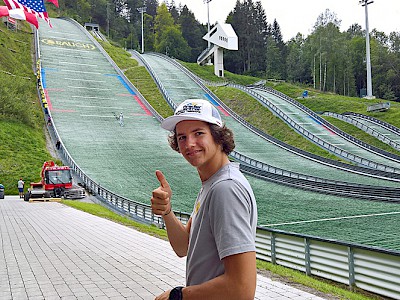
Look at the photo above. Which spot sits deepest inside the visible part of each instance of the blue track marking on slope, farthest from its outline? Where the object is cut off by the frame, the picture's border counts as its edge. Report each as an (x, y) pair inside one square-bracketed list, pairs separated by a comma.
[(123, 83), (315, 120), (51, 69), (211, 100), (43, 75), (319, 123), (126, 85), (224, 112)]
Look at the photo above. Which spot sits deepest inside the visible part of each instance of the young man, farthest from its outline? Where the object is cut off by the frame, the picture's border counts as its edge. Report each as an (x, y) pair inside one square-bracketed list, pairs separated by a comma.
[(219, 238), (21, 188)]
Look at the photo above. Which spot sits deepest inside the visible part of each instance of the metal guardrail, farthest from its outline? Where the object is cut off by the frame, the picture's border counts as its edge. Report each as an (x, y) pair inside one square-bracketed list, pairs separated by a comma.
[(343, 189), (333, 128), (322, 143), (365, 128), (160, 86), (371, 269), (96, 34), (384, 124)]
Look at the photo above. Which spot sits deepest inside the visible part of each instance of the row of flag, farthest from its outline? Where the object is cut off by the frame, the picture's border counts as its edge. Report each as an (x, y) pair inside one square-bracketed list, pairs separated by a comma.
[(28, 10)]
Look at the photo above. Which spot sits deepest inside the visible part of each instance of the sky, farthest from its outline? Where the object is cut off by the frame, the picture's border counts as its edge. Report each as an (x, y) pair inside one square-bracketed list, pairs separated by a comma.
[(295, 16)]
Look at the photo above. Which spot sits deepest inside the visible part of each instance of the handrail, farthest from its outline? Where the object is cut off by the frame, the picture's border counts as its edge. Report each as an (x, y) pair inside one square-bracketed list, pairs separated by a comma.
[(322, 143), (365, 128), (153, 74), (384, 124), (333, 128), (205, 54)]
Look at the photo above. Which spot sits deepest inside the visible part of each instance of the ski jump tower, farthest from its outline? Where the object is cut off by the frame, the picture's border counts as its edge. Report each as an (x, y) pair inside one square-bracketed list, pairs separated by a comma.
[(221, 36)]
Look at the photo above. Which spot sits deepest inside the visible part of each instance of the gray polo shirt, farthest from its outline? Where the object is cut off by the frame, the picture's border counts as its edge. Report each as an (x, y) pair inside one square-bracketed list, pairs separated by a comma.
[(224, 223)]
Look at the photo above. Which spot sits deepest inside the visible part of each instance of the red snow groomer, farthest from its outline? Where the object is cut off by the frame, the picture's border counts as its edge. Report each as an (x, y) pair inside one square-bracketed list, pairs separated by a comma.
[(56, 182)]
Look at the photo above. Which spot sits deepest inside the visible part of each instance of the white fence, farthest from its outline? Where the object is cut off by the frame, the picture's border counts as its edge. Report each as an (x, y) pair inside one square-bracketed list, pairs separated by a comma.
[(370, 269)]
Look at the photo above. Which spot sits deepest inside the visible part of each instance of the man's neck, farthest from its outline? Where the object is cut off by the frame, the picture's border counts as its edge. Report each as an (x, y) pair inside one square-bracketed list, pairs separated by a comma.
[(211, 170)]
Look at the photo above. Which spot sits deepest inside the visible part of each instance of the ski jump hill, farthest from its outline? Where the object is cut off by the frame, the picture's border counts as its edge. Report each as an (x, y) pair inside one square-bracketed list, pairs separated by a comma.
[(85, 92)]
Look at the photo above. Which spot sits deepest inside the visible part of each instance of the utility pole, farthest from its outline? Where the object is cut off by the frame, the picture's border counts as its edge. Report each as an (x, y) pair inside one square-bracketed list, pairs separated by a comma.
[(365, 3), (142, 10)]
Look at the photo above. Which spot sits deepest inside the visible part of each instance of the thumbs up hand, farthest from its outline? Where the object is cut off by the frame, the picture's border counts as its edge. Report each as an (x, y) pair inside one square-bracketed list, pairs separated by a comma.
[(161, 200)]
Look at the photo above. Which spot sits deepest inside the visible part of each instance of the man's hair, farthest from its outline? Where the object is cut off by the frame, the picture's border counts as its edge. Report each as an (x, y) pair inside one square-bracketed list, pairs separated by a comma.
[(222, 136)]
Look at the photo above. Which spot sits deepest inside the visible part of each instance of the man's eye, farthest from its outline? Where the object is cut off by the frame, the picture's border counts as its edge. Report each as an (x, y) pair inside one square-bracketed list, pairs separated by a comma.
[(199, 133), (181, 138)]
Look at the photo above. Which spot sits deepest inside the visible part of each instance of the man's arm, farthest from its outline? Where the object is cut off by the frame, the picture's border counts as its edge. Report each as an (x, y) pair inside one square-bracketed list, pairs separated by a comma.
[(178, 233), (238, 282)]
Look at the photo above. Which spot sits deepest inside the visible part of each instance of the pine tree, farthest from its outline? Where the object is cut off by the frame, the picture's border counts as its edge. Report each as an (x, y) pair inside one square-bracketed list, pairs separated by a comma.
[(192, 32)]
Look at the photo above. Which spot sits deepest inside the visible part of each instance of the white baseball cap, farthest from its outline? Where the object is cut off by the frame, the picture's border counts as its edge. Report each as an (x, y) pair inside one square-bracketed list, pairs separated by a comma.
[(193, 109)]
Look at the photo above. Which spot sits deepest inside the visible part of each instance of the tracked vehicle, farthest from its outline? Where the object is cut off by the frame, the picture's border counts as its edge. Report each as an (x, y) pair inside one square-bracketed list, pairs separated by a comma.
[(56, 182)]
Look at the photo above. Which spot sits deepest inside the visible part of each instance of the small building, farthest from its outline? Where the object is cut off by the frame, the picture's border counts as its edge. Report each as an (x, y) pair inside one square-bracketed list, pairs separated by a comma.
[(221, 36)]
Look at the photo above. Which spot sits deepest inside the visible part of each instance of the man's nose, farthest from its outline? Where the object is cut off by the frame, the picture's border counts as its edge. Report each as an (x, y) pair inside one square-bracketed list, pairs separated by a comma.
[(190, 141)]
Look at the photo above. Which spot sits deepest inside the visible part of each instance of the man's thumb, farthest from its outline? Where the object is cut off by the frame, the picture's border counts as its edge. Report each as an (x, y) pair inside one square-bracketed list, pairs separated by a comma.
[(161, 178)]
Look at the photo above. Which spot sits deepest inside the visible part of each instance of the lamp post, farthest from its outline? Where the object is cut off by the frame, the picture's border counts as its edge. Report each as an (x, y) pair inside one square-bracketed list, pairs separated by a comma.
[(208, 28), (208, 18), (142, 10), (365, 3)]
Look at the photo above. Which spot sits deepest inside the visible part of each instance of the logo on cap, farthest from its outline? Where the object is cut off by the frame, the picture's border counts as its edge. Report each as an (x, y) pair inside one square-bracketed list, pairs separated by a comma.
[(189, 108)]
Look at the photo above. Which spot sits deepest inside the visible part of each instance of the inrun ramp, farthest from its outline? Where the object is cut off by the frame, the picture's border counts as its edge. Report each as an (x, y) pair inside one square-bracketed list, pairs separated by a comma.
[(85, 91)]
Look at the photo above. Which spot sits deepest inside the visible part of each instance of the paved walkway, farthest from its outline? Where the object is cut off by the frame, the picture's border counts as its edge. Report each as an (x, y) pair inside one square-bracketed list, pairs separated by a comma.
[(51, 251)]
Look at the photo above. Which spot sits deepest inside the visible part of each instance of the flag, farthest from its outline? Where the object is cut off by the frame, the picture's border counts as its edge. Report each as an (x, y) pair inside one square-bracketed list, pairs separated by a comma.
[(55, 2), (31, 6), (19, 14)]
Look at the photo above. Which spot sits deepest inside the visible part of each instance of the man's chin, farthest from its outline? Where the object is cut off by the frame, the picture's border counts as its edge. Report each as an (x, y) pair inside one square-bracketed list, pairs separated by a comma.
[(194, 162)]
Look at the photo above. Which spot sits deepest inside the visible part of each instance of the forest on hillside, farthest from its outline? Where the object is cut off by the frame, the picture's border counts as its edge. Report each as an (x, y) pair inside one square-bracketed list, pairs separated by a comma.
[(327, 59)]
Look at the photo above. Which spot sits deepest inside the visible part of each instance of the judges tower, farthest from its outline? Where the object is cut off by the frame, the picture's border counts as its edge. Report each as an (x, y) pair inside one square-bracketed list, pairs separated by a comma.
[(221, 36)]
